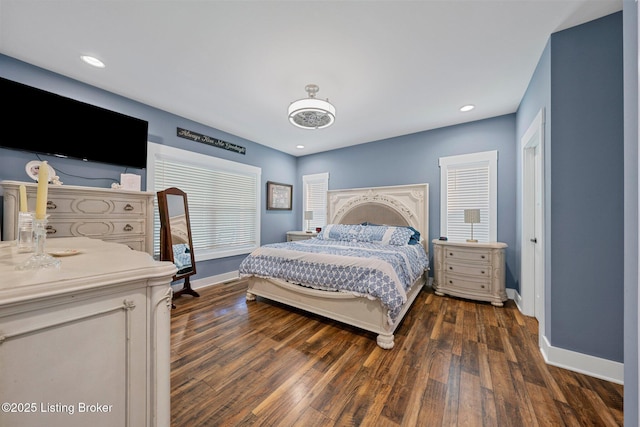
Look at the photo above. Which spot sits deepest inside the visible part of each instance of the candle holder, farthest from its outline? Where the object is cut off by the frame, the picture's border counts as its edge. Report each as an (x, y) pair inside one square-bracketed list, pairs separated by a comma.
[(25, 241), (40, 259)]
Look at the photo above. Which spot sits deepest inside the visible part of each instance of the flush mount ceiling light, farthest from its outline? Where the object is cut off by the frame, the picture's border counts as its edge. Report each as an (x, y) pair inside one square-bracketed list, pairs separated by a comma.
[(468, 107), (311, 112)]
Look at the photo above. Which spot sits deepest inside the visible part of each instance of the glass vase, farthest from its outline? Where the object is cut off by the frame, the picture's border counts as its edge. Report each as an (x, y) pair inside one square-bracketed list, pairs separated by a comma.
[(39, 259), (25, 241)]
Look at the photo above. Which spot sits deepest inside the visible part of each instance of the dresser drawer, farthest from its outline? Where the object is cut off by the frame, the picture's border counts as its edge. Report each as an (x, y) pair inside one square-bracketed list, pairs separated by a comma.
[(97, 229), (452, 253), (64, 204), (137, 244)]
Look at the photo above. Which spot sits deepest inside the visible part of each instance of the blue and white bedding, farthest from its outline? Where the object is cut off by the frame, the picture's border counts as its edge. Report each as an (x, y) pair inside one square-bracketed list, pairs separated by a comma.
[(349, 262)]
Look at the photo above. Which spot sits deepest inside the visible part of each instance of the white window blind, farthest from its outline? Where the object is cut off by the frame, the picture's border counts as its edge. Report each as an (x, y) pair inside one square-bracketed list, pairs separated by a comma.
[(315, 189), (223, 198), (469, 182)]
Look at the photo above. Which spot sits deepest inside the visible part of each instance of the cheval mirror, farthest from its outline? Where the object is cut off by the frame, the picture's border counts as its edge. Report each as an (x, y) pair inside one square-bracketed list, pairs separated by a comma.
[(175, 236)]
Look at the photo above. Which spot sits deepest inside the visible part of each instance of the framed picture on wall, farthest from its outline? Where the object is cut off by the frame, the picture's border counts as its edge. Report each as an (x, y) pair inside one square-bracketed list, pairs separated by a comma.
[(279, 196)]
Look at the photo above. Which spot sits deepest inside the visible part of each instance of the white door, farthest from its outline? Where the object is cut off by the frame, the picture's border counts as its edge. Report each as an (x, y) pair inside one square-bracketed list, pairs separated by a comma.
[(532, 251)]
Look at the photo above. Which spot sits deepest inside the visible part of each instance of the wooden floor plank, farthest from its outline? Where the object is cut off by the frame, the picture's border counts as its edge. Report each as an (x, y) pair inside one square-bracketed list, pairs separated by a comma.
[(455, 363)]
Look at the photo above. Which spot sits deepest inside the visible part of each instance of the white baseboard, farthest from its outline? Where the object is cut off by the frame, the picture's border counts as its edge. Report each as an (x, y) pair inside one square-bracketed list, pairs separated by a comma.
[(577, 362), (582, 363), (209, 281)]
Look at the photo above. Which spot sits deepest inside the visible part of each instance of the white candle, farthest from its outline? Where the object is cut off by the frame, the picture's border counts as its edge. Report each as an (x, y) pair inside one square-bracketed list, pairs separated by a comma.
[(43, 188), (23, 198)]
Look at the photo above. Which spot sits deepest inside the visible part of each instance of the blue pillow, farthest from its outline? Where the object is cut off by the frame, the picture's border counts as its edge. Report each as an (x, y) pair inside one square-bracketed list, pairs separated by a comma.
[(387, 235), (413, 240)]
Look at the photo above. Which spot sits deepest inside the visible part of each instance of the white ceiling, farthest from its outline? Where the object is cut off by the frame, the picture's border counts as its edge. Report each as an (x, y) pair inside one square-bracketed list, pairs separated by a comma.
[(389, 67)]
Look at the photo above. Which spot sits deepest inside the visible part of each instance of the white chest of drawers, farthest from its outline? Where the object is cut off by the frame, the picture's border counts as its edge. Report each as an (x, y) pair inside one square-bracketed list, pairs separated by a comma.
[(87, 344), (103, 213), (470, 270)]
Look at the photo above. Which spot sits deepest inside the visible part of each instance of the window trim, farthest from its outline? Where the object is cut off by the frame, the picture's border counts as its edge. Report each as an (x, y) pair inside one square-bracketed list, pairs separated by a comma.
[(489, 158), (165, 152)]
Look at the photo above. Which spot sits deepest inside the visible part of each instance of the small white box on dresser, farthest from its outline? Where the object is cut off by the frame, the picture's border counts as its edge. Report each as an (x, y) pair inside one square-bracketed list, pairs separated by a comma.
[(470, 270)]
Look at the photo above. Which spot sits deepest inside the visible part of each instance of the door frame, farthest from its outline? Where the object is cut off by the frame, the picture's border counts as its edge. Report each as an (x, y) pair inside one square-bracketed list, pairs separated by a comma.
[(532, 177)]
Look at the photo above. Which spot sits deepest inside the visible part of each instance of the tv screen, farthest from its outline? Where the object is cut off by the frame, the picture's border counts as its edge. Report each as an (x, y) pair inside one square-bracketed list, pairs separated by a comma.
[(43, 122)]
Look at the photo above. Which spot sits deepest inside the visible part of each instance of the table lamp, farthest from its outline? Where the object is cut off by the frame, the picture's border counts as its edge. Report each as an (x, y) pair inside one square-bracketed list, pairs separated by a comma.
[(472, 216), (308, 216)]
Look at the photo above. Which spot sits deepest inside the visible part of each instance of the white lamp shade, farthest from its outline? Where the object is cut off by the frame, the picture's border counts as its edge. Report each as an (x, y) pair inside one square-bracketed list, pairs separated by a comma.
[(308, 215), (472, 216)]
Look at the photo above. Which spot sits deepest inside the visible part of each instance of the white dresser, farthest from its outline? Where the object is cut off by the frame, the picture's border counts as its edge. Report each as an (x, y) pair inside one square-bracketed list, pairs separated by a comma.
[(103, 213), (87, 344), (470, 270)]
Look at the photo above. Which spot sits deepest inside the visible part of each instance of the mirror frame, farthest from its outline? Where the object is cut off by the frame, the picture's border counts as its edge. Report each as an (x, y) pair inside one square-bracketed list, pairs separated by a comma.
[(166, 244)]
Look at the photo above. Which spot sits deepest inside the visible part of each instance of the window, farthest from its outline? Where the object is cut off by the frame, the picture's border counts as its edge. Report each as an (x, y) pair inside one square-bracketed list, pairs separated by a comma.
[(223, 197), (314, 196), (469, 181)]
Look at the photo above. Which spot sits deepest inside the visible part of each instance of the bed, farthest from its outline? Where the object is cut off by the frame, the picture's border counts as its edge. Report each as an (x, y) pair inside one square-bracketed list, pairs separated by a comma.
[(379, 219)]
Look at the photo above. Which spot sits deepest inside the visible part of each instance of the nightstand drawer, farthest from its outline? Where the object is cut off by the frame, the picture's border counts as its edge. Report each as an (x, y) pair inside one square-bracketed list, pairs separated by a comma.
[(466, 283), (466, 255), (468, 269)]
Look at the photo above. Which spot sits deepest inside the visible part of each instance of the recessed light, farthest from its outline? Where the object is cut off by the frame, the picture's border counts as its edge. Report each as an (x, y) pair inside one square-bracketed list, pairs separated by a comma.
[(300, 146), (93, 61), (468, 107)]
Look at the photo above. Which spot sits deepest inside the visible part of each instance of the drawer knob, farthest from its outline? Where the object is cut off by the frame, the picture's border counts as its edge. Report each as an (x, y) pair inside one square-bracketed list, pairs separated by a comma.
[(451, 281), (51, 230), (128, 207), (51, 205), (450, 253), (482, 256), (482, 286), (450, 268), (128, 227), (482, 272)]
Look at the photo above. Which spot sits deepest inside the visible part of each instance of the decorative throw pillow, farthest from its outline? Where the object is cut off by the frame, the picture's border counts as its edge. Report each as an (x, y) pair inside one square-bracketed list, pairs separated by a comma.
[(414, 238), (345, 232)]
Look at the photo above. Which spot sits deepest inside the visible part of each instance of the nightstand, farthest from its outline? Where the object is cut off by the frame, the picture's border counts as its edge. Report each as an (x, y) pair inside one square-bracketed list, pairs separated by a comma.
[(292, 236), (470, 270)]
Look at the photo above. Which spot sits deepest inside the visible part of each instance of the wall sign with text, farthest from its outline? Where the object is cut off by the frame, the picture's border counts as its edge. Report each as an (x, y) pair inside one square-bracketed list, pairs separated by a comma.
[(198, 137)]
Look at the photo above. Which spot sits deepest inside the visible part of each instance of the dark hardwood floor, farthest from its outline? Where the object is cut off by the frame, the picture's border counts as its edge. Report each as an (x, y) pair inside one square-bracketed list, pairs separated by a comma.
[(455, 363)]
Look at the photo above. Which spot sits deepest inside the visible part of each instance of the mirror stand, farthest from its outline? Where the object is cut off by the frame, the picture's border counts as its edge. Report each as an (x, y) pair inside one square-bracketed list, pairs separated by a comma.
[(176, 244), (186, 289), (165, 255)]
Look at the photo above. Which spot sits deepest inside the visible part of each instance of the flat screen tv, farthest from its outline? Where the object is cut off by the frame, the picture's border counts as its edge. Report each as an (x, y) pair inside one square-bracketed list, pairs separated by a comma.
[(43, 122)]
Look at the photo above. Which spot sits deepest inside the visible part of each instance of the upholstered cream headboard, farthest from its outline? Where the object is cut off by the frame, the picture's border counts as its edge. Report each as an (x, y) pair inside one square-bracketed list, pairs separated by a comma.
[(393, 205)]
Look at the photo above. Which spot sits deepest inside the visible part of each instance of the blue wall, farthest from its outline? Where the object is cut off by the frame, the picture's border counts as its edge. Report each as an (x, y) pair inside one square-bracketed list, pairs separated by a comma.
[(587, 194), (276, 166), (578, 82), (414, 158)]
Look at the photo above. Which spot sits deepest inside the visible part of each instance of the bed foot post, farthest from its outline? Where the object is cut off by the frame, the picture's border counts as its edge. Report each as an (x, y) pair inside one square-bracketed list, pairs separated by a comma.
[(385, 341), (250, 296)]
